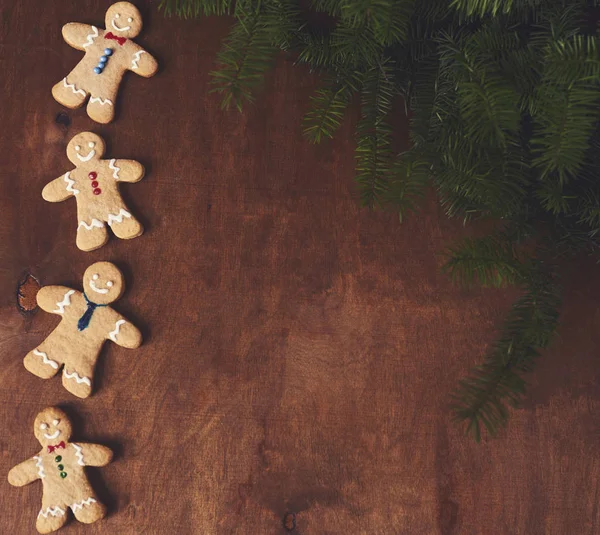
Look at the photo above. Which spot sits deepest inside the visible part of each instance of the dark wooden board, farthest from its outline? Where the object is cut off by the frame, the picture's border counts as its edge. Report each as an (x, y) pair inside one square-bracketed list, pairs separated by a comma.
[(299, 351)]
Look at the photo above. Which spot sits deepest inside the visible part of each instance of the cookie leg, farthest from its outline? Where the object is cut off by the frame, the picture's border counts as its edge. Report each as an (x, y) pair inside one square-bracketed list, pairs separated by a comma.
[(125, 226), (68, 94), (78, 380), (101, 110), (88, 510), (91, 236), (51, 518), (42, 362)]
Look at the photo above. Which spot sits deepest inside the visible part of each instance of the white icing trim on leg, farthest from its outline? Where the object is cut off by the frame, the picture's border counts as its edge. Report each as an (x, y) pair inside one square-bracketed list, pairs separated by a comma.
[(102, 101), (60, 306), (78, 378), (90, 37), (118, 218), (40, 466), (114, 168), (136, 58), (54, 511), (80, 505), (73, 88), (113, 334), (45, 359), (78, 454), (70, 183), (94, 223)]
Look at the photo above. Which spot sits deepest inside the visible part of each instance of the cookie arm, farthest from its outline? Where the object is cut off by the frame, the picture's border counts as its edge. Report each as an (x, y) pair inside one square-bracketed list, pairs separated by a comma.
[(127, 170), (24, 473), (125, 334), (143, 63), (59, 189), (93, 454), (54, 299), (79, 35)]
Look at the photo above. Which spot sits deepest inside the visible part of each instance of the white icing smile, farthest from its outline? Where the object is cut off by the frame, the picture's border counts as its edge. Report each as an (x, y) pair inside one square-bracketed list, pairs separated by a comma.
[(87, 158), (124, 29), (52, 436), (96, 289)]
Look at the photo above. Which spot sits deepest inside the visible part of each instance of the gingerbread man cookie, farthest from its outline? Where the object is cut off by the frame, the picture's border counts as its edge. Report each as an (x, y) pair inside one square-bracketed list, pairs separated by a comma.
[(108, 54), (60, 465), (87, 321), (94, 184)]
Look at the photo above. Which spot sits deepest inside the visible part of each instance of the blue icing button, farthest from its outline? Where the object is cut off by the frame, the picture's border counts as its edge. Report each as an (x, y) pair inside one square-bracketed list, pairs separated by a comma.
[(103, 59), (108, 51), (98, 70)]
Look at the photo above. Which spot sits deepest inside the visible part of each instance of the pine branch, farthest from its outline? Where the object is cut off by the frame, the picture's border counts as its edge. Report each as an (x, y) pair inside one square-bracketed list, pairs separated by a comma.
[(482, 398), (409, 178), (247, 53), (374, 144)]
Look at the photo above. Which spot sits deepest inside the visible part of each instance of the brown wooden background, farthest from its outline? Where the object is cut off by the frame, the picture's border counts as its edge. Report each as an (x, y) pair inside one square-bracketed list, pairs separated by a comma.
[(299, 352)]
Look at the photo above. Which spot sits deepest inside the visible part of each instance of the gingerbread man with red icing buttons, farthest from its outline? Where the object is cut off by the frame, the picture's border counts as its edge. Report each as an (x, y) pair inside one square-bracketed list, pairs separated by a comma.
[(94, 184), (60, 465), (108, 55), (87, 322)]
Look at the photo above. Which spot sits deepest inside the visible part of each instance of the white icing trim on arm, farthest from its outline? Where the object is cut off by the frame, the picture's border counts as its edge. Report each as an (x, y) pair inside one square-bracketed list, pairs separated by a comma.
[(113, 334), (78, 454), (102, 101), (114, 168), (70, 183), (80, 505), (40, 466), (77, 377), (64, 303), (91, 37), (45, 359), (136, 59), (118, 218), (73, 88)]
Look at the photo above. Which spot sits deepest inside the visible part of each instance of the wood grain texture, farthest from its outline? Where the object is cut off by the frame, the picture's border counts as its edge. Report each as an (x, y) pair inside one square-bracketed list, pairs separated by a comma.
[(299, 351)]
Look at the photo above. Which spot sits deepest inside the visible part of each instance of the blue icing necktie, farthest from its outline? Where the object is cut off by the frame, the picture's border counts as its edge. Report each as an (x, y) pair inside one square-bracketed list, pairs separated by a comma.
[(84, 321)]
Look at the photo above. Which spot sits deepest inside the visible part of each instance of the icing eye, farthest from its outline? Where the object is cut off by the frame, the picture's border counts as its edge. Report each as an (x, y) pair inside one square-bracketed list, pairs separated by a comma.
[(77, 148), (55, 422), (91, 144), (95, 276), (43, 427), (117, 15), (109, 284), (129, 19)]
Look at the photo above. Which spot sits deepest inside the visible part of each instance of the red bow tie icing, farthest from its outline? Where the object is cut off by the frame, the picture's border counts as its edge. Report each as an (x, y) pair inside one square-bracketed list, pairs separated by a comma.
[(120, 40), (60, 445)]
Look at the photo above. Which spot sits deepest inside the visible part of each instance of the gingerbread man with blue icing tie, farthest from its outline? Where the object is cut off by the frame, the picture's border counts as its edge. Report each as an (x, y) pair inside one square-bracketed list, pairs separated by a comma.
[(94, 184), (108, 55), (87, 322), (60, 465)]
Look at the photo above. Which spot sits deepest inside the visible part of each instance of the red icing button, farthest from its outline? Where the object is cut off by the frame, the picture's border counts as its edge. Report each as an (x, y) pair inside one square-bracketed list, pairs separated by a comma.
[(94, 184), (93, 175), (97, 191)]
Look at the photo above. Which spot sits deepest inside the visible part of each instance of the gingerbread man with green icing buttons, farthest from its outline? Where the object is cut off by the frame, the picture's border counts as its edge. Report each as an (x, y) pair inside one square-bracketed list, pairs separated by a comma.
[(108, 55), (94, 183), (87, 322), (60, 465)]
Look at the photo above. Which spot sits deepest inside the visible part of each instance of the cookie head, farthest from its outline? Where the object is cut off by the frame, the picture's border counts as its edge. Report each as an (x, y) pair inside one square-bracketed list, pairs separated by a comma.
[(85, 147), (103, 283), (52, 426), (124, 20)]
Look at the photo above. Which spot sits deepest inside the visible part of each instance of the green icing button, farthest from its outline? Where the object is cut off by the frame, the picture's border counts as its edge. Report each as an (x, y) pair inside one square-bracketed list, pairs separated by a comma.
[(58, 458), (61, 467), (63, 474)]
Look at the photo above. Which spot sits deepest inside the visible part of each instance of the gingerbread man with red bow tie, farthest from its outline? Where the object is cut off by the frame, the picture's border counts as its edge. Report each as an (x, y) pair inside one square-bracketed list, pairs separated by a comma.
[(60, 465), (108, 55)]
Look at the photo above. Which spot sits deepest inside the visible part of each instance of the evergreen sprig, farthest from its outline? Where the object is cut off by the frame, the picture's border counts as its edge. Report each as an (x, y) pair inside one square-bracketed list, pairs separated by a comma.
[(502, 98)]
